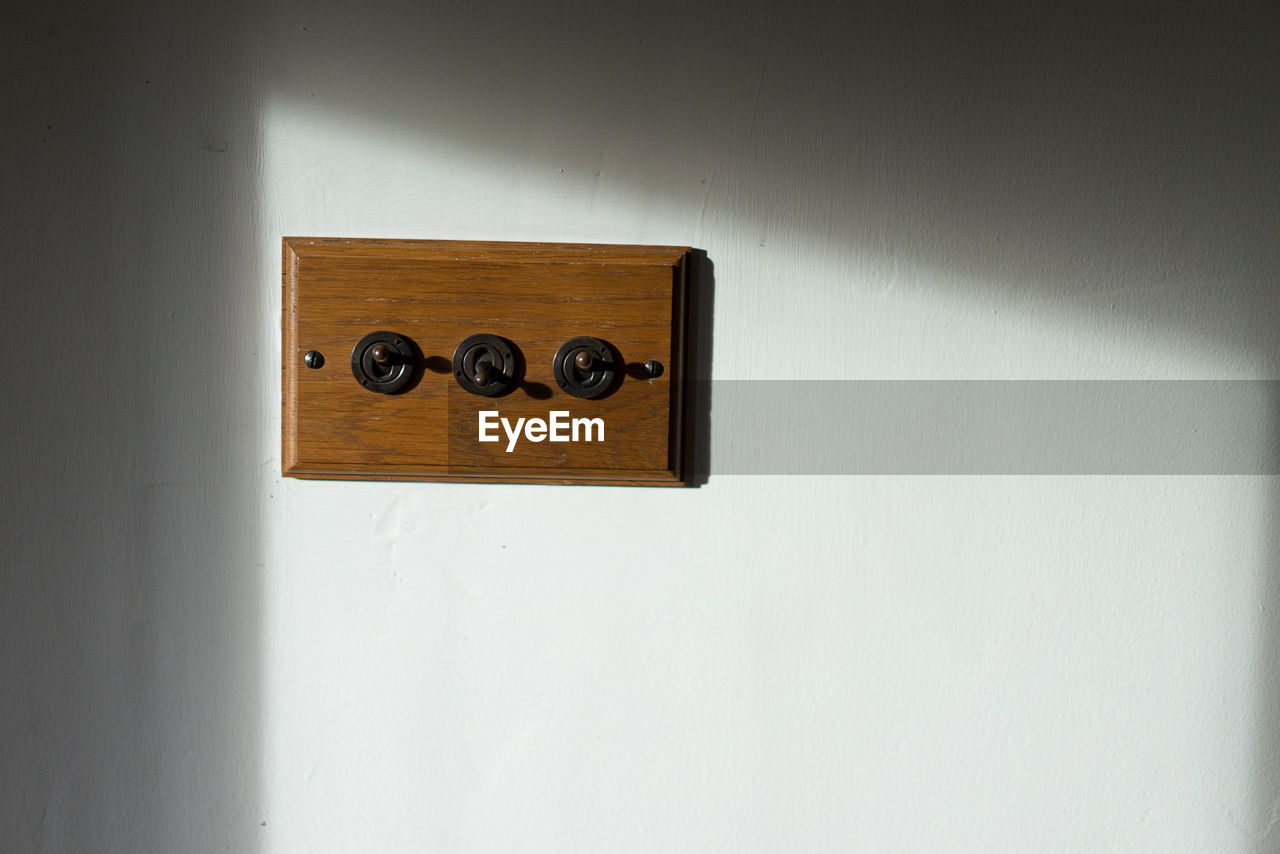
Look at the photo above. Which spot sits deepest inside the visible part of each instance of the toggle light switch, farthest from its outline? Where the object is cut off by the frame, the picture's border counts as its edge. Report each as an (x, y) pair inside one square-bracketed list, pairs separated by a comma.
[(383, 362), (586, 367), (485, 365)]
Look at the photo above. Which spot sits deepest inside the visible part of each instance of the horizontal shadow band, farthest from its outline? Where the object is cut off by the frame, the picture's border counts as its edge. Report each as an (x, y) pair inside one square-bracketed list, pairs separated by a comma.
[(1160, 427)]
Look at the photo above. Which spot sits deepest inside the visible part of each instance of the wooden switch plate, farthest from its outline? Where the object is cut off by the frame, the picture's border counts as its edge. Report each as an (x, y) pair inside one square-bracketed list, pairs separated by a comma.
[(435, 294)]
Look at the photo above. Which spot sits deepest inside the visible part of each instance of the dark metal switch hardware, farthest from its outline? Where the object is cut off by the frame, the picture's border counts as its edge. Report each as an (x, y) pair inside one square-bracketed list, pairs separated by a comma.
[(485, 364), (383, 362), (586, 367)]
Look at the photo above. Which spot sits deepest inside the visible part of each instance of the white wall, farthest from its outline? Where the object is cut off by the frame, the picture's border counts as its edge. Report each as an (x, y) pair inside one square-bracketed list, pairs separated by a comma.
[(200, 656)]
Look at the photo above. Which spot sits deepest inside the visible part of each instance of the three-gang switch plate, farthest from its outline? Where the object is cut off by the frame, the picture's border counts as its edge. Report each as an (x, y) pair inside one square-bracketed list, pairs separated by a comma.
[(547, 301)]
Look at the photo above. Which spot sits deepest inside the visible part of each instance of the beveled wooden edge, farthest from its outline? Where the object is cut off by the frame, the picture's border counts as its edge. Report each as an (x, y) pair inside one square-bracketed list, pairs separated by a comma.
[(288, 361), (492, 481), (475, 250), (463, 474), (453, 476), (676, 451), (679, 258)]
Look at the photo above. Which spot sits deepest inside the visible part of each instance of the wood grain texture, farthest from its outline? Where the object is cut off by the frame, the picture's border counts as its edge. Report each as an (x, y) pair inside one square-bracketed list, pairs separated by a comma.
[(436, 293)]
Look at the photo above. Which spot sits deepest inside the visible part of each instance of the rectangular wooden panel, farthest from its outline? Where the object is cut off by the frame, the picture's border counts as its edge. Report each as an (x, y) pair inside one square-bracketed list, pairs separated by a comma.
[(433, 294)]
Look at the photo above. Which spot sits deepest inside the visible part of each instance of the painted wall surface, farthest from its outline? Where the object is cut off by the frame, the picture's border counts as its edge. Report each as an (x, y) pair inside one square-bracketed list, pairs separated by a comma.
[(196, 655)]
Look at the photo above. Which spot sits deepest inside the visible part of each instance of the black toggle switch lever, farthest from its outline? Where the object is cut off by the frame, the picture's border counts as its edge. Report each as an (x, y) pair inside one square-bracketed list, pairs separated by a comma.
[(383, 362), (485, 364), (586, 367)]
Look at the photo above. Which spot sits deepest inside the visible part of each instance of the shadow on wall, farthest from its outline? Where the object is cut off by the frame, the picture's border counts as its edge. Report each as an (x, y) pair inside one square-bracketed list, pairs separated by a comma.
[(129, 596), (1116, 159), (1064, 157)]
